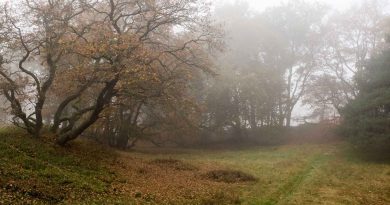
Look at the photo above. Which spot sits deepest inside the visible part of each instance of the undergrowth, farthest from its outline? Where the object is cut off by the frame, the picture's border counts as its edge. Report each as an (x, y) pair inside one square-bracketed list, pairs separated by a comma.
[(37, 171)]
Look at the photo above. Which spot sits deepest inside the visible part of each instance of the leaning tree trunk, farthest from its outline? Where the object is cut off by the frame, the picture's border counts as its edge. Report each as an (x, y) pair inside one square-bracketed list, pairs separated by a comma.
[(103, 99)]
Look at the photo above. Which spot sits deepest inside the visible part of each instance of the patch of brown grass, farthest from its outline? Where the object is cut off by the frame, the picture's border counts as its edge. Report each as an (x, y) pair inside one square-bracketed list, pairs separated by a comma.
[(221, 198), (173, 164), (168, 181), (229, 176)]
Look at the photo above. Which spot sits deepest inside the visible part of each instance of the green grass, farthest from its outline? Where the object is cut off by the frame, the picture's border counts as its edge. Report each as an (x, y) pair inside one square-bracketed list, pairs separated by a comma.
[(298, 174), (37, 172)]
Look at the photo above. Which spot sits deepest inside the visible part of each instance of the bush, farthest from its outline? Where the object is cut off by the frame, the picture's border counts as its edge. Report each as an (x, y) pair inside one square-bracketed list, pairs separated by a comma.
[(269, 136)]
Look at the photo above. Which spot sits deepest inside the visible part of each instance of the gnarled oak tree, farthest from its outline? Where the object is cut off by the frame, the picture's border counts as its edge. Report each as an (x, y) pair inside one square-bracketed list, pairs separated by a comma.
[(65, 61)]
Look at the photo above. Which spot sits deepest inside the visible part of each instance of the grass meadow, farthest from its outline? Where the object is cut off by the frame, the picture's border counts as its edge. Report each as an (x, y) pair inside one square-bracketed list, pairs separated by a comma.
[(36, 172)]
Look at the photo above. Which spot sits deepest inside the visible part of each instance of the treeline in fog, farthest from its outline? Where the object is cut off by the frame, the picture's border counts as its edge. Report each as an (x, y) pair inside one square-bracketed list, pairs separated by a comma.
[(184, 72)]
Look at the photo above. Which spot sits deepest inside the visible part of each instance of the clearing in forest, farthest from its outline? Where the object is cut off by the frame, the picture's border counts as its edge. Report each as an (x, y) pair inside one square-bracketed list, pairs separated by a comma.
[(33, 171)]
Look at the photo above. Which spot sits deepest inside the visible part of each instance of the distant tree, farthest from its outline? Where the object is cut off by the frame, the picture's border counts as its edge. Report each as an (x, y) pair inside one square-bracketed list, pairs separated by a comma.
[(367, 117), (350, 39), (323, 96), (266, 67), (292, 47)]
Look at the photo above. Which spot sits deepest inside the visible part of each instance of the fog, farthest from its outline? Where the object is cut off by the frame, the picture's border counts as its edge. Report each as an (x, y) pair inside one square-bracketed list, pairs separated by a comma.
[(204, 70), (244, 34), (261, 5), (194, 102)]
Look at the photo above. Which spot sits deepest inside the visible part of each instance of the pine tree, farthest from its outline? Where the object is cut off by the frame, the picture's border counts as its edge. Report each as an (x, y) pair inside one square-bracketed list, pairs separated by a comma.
[(367, 118)]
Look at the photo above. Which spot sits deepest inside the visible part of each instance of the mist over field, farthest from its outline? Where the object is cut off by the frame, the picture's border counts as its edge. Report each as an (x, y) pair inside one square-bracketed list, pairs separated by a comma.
[(194, 102)]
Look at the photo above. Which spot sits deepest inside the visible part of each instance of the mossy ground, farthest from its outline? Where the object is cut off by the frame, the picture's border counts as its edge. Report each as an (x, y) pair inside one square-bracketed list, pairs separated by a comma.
[(35, 171)]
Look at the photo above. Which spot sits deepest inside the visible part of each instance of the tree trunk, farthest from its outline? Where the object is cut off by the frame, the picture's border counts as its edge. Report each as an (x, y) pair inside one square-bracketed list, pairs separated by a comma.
[(104, 99), (288, 119)]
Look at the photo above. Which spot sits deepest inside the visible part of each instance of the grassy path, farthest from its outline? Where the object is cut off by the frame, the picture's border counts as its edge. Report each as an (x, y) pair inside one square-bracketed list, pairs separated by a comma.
[(284, 193)]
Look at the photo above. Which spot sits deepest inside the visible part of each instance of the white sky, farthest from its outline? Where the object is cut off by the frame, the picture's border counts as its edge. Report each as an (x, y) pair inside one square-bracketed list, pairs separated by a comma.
[(260, 5)]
